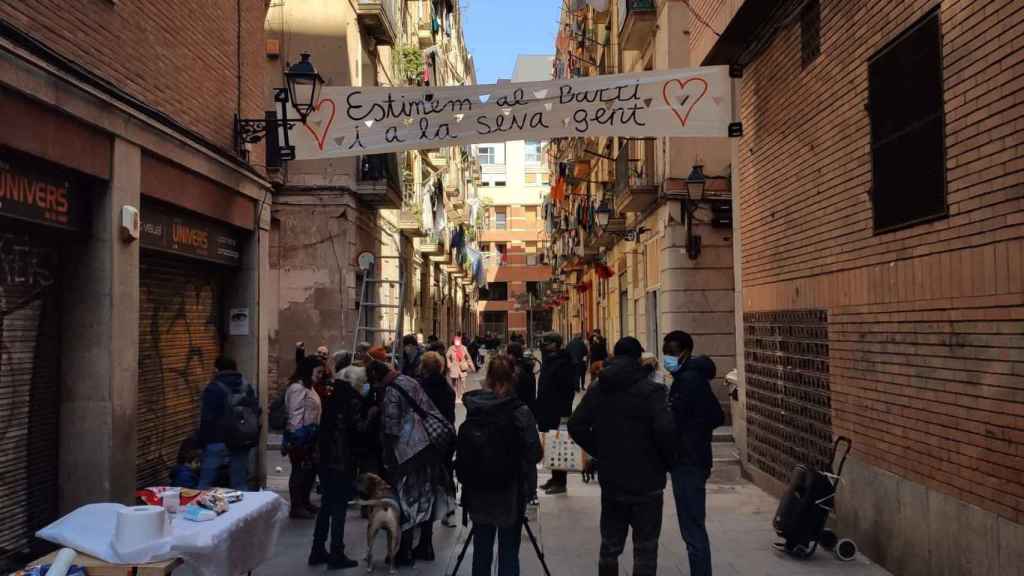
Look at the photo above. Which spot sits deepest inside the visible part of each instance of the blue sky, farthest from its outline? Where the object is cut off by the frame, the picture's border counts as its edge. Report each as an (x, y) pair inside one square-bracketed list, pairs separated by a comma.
[(499, 30)]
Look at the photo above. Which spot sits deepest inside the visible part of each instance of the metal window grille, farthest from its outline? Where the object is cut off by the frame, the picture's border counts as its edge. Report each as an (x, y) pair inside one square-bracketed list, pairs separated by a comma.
[(789, 400)]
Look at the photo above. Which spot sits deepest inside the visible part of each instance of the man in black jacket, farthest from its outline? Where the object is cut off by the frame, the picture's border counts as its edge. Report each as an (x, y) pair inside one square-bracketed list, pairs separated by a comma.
[(577, 349), (697, 413), (339, 425), (625, 423), (556, 391)]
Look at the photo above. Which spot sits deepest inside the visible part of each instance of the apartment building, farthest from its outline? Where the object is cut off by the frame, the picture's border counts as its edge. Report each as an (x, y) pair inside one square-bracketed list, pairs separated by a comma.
[(133, 242), (636, 252), (514, 180), (879, 235), (326, 213)]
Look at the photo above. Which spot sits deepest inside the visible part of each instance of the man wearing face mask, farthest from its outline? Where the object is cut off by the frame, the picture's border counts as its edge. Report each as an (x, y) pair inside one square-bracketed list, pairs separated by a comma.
[(697, 413)]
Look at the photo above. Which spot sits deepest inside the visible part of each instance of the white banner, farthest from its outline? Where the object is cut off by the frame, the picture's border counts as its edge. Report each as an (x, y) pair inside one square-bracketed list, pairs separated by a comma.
[(351, 121)]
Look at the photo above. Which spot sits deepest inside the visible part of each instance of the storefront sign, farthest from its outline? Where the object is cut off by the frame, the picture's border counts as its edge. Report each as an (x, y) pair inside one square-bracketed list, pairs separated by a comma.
[(164, 228), (39, 192), (351, 121)]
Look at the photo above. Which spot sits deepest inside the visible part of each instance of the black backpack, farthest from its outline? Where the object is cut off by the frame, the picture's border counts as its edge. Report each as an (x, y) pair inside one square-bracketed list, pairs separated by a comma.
[(278, 416), (489, 449), (241, 420)]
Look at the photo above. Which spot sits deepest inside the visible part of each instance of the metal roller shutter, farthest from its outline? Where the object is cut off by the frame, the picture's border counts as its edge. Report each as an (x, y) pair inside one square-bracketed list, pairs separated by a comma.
[(29, 387), (179, 340)]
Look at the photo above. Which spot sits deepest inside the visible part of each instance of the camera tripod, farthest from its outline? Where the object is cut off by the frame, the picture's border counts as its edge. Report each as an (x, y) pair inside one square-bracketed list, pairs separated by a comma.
[(529, 532)]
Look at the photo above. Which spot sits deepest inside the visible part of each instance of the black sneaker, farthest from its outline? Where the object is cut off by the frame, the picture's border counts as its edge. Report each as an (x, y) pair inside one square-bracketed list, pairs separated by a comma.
[(318, 556), (556, 489), (425, 553), (341, 562)]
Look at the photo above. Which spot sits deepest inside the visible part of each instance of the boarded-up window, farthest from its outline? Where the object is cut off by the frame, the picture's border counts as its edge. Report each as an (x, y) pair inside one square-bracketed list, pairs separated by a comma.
[(653, 258), (810, 32), (908, 128)]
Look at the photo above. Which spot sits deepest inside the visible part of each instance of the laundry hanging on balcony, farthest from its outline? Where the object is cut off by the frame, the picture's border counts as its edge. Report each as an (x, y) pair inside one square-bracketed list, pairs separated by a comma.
[(426, 205), (357, 120)]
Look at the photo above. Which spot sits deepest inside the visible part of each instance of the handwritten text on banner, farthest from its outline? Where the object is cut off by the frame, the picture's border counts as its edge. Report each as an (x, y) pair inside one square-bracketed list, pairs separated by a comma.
[(350, 121)]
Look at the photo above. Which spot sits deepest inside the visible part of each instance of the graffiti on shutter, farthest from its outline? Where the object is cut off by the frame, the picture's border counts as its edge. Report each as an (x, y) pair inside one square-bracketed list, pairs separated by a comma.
[(29, 389), (178, 342)]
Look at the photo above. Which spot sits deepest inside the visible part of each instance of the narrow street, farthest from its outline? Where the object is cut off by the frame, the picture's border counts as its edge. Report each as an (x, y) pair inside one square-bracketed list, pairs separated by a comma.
[(739, 523), (805, 215)]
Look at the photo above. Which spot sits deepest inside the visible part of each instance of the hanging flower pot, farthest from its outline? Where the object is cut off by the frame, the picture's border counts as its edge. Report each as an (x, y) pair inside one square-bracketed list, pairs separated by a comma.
[(604, 271), (584, 286)]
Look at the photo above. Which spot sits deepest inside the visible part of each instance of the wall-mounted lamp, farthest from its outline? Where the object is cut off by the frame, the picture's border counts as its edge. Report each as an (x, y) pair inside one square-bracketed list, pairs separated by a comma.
[(302, 91), (696, 182)]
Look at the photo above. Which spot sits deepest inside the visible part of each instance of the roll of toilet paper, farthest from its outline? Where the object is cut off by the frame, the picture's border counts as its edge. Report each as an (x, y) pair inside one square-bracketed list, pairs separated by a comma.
[(139, 527), (62, 562)]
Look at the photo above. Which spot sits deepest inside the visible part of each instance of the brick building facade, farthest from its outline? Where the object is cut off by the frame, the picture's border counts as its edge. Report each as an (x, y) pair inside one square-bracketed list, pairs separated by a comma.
[(884, 263), (115, 114)]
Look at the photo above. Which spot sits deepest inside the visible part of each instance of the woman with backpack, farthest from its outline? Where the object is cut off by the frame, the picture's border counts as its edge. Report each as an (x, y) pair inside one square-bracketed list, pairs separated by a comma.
[(304, 407), (498, 451)]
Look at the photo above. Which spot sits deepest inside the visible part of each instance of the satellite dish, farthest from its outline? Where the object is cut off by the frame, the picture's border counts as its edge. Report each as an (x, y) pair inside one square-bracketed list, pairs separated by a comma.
[(366, 260)]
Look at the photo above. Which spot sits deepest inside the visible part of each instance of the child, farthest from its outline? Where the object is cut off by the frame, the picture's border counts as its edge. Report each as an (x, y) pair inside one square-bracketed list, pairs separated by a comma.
[(186, 473)]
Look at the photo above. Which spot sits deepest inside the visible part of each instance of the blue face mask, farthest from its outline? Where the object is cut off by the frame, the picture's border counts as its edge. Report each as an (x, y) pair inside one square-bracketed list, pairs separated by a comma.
[(671, 363)]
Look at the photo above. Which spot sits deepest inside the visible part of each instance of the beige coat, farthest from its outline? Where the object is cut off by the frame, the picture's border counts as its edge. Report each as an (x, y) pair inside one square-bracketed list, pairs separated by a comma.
[(458, 370)]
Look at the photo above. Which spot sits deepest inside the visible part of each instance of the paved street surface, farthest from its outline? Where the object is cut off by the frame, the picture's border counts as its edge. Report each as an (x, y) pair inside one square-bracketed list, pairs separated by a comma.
[(739, 522)]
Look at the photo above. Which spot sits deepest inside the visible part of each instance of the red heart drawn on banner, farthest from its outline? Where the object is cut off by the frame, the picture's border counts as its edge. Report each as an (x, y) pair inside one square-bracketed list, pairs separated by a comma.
[(687, 100), (320, 138)]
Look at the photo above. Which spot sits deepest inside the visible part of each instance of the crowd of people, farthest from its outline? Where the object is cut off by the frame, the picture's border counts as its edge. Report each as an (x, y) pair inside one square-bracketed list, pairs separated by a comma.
[(351, 415)]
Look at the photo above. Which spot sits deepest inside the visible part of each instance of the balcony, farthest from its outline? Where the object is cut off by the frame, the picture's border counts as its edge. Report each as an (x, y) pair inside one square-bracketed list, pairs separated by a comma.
[(425, 33), (380, 19), (432, 245), (638, 18), (641, 186), (410, 223), (377, 183)]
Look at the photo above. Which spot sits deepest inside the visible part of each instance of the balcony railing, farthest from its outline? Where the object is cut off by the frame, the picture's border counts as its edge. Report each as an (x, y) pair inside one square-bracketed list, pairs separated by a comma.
[(380, 19), (641, 184), (637, 18), (641, 164), (378, 181)]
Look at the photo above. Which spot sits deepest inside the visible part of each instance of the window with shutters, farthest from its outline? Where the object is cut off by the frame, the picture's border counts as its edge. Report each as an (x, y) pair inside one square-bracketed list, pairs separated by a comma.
[(908, 151), (810, 32)]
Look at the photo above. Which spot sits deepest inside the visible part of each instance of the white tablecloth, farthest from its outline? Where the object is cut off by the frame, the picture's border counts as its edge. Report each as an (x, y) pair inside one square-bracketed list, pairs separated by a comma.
[(234, 543), (237, 541)]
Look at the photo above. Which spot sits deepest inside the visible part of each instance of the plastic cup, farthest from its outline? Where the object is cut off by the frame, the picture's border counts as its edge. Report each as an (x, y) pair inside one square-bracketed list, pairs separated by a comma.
[(172, 500)]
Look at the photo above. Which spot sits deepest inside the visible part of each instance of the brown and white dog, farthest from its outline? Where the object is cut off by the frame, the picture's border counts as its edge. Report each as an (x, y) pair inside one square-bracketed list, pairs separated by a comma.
[(385, 514)]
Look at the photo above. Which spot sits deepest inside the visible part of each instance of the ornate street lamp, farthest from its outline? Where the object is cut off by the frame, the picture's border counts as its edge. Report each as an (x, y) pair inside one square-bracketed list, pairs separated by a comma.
[(304, 84), (302, 91), (695, 183)]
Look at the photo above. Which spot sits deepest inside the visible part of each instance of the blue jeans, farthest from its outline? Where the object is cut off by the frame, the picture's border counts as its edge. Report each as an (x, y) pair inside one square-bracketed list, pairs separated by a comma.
[(688, 488), (508, 549), (215, 456)]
